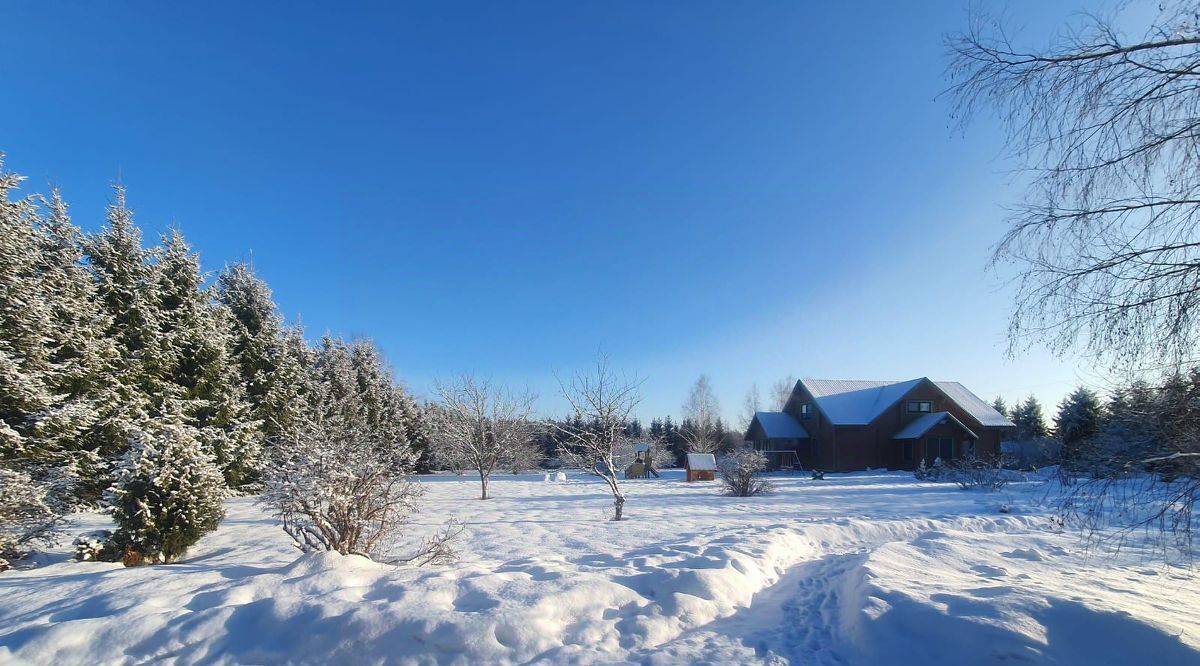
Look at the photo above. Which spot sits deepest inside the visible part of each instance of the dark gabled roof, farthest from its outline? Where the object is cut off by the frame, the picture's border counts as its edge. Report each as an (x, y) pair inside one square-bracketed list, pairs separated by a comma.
[(859, 402), (973, 405), (853, 401), (926, 422), (780, 425)]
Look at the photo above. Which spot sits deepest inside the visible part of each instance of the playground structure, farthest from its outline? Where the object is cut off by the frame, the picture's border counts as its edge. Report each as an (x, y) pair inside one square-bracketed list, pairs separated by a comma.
[(643, 465)]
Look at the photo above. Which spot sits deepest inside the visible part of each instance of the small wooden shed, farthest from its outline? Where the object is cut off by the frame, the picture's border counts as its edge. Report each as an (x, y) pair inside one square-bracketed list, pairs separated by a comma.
[(701, 467)]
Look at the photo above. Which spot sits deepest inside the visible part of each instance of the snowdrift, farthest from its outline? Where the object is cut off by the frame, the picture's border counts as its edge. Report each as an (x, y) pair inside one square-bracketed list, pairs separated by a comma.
[(868, 568)]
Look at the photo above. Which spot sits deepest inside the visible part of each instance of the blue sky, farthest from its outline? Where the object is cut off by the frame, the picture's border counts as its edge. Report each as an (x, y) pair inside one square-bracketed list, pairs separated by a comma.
[(747, 190)]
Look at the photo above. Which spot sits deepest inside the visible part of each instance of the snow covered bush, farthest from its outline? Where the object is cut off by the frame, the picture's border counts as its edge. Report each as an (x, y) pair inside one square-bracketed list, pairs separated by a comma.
[(741, 472), (28, 515), (169, 492), (340, 490), (933, 472), (338, 476), (98, 546)]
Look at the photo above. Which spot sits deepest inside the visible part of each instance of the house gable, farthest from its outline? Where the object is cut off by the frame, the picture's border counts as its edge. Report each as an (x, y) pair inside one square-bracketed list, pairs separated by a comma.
[(923, 424)]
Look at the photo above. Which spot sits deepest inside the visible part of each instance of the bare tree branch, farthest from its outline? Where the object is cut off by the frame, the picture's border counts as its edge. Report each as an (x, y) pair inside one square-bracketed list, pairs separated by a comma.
[(1105, 241)]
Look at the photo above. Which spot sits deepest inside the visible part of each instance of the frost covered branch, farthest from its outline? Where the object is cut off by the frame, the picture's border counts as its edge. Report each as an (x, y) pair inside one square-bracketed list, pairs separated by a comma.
[(481, 426), (340, 490), (741, 472)]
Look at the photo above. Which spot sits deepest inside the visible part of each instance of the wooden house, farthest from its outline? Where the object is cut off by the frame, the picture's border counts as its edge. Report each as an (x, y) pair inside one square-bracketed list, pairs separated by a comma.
[(845, 425)]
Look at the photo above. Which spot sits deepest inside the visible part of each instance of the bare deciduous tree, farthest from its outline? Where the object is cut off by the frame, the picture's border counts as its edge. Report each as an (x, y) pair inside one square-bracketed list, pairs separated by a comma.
[(781, 391), (1107, 127), (482, 426), (751, 405), (603, 403), (1106, 242), (702, 415)]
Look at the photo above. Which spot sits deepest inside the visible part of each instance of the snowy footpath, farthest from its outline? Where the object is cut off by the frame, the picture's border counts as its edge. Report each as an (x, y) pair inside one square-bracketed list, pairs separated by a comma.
[(868, 568)]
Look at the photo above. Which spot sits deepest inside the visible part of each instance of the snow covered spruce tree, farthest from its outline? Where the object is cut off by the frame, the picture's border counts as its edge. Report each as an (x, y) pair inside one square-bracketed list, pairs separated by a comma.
[(25, 324), (286, 400), (30, 510), (168, 493), (1030, 420), (200, 379), (260, 348), (1079, 420), (481, 426), (126, 293), (338, 476), (48, 353), (603, 404), (80, 353)]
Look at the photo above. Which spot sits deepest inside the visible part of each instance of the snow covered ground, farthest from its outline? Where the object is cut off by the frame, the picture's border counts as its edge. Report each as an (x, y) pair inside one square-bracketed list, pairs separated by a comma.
[(868, 568)]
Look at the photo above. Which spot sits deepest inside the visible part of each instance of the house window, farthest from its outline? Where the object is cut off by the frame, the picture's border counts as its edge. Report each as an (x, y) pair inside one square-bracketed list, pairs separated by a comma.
[(939, 447), (908, 450), (920, 406), (806, 410)]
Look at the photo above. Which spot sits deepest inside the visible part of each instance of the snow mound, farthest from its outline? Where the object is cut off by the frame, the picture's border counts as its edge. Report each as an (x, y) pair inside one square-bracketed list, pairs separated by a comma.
[(945, 598)]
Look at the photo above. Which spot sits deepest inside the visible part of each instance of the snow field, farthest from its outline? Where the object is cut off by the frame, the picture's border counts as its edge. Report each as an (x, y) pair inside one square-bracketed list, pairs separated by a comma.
[(860, 568)]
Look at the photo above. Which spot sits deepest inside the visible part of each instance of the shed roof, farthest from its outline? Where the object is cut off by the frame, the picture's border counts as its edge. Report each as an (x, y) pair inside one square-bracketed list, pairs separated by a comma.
[(924, 423), (701, 461), (780, 425)]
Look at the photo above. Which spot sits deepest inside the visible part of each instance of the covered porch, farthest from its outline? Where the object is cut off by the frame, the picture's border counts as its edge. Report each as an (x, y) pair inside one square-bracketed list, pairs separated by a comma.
[(933, 437), (779, 437)]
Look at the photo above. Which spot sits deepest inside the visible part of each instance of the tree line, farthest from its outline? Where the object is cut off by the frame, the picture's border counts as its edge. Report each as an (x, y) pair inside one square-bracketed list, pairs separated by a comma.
[(125, 367)]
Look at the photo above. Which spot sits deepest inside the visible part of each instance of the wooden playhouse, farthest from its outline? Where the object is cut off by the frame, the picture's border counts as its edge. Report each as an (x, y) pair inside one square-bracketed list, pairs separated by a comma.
[(701, 467)]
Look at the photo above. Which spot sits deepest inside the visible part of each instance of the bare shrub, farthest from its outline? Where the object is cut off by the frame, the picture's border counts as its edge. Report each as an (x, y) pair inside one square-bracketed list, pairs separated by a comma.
[(439, 549), (934, 472), (1123, 499), (741, 472), (978, 473)]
